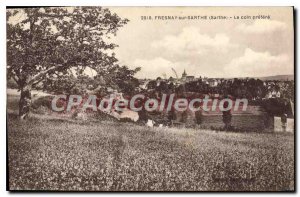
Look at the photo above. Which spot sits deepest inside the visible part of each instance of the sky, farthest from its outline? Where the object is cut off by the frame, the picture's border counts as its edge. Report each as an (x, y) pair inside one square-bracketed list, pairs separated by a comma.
[(213, 48), (226, 48)]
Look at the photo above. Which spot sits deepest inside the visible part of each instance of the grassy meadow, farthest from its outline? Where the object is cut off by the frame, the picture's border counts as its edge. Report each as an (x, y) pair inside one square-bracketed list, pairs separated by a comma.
[(55, 154)]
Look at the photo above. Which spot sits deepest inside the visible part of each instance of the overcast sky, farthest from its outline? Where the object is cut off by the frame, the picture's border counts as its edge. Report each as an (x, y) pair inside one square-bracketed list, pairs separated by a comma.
[(212, 48)]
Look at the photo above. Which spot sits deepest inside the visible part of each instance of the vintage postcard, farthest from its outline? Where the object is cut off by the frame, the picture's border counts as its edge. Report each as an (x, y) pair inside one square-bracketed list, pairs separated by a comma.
[(150, 99)]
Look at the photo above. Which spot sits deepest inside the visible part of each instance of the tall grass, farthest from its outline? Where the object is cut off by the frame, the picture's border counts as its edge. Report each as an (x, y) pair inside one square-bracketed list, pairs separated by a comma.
[(111, 156)]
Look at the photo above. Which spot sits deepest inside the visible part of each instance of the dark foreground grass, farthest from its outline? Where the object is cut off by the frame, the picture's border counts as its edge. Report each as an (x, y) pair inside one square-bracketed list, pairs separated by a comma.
[(109, 156)]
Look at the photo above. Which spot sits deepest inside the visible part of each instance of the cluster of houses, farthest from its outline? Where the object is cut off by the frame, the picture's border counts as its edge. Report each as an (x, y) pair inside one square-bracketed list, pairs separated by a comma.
[(185, 78), (242, 86), (212, 82)]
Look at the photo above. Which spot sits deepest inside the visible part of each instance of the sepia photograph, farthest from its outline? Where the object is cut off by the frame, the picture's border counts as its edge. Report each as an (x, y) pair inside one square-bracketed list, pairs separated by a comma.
[(150, 99)]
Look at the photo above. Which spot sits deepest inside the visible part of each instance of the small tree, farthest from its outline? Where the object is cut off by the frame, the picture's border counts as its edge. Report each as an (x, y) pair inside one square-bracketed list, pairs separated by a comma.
[(49, 42), (121, 77)]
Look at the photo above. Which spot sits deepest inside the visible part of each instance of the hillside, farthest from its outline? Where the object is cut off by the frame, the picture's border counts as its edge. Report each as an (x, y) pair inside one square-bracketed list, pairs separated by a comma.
[(277, 77)]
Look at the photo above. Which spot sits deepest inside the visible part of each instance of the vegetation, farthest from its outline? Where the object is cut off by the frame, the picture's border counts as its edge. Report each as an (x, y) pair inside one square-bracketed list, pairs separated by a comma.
[(50, 47), (111, 156)]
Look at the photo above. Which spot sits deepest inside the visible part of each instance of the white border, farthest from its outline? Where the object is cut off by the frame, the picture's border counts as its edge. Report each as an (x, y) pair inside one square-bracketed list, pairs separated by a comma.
[(4, 3)]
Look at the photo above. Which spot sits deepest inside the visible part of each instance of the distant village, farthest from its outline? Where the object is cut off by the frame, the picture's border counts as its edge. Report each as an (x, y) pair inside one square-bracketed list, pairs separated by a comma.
[(251, 88), (185, 78), (212, 82)]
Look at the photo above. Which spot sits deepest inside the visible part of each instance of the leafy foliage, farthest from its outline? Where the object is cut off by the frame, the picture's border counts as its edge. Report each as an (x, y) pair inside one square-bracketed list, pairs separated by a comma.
[(49, 43), (50, 48)]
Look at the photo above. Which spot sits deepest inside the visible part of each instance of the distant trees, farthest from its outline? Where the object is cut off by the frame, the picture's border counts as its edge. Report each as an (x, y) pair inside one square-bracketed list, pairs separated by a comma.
[(53, 46), (121, 78)]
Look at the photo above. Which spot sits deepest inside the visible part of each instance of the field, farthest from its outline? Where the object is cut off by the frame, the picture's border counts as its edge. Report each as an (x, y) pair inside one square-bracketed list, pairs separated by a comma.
[(53, 154)]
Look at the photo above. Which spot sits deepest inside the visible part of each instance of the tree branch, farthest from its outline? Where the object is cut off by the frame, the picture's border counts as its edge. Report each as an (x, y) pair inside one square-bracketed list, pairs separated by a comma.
[(41, 74)]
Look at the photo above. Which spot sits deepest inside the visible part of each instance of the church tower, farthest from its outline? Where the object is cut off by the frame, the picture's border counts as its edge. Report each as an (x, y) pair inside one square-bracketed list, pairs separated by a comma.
[(184, 74)]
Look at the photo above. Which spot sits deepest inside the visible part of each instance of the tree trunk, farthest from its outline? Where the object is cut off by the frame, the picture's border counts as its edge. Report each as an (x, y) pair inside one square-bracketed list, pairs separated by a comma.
[(227, 119), (25, 103)]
